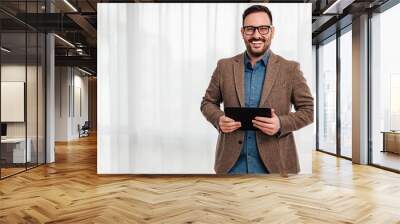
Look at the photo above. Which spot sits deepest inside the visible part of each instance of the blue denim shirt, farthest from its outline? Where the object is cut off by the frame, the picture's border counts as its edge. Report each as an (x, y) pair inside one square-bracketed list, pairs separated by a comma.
[(249, 160)]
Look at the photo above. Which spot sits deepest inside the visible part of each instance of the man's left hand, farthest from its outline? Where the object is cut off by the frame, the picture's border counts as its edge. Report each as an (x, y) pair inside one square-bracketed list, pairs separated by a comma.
[(269, 126)]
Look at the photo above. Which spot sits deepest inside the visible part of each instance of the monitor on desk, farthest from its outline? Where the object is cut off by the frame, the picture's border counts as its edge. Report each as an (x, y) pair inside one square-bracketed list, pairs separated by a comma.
[(3, 130)]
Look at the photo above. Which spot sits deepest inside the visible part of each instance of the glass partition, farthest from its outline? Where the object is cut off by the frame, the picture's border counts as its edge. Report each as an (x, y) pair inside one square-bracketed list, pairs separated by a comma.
[(41, 87), (32, 95), (22, 77), (13, 109)]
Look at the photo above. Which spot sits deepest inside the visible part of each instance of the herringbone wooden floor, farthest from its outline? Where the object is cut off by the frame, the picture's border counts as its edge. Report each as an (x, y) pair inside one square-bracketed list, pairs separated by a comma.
[(69, 191)]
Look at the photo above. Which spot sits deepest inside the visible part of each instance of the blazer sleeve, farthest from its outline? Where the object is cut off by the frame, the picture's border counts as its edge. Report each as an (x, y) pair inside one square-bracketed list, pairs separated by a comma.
[(210, 104), (303, 103)]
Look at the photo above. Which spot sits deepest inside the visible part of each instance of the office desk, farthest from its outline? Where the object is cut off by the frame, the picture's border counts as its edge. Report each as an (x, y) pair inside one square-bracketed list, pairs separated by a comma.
[(13, 150), (391, 141)]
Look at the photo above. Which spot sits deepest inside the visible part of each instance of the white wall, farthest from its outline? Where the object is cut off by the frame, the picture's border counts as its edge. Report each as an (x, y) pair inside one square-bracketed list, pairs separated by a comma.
[(18, 73), (13, 100), (61, 103), (154, 64), (15, 73), (67, 117), (80, 83)]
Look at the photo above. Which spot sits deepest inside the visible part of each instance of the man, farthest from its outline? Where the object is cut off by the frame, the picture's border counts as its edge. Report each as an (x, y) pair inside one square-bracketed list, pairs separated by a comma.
[(258, 78)]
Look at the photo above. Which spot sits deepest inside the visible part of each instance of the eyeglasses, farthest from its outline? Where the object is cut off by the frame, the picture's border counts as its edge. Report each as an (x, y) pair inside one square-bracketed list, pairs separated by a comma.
[(264, 29)]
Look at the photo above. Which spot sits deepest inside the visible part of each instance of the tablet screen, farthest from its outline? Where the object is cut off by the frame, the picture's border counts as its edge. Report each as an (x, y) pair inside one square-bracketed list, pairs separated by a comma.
[(246, 114)]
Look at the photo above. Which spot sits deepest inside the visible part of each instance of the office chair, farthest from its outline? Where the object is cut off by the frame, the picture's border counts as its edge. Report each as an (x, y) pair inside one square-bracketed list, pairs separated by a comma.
[(84, 130)]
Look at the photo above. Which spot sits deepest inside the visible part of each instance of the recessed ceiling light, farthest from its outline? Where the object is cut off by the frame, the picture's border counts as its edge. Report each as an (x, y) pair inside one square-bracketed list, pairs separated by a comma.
[(5, 50), (84, 71), (338, 6), (64, 40), (70, 5)]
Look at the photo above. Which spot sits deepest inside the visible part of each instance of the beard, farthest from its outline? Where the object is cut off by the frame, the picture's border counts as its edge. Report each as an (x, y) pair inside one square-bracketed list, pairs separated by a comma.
[(257, 52)]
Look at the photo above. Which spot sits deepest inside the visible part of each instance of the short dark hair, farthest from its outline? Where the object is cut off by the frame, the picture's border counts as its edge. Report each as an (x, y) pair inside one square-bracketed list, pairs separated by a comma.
[(256, 8)]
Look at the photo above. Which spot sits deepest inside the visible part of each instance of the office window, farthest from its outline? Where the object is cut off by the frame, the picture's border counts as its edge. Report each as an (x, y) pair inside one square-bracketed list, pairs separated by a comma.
[(385, 89), (346, 94), (327, 96)]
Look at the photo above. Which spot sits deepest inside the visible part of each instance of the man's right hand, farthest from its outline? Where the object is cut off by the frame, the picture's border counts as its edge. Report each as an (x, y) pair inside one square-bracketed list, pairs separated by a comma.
[(228, 125)]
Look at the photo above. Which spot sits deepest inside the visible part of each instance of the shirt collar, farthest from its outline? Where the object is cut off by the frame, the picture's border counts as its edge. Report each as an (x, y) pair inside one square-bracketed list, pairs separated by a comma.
[(264, 58)]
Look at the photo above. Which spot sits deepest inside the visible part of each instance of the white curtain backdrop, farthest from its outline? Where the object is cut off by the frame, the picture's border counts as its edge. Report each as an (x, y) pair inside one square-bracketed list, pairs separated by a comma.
[(154, 64)]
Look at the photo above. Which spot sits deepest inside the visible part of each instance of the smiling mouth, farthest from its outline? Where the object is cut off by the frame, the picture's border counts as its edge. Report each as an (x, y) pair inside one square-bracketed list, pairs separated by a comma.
[(256, 43)]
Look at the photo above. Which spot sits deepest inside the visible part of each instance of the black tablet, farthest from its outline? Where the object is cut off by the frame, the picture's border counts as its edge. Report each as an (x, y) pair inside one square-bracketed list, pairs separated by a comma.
[(246, 114)]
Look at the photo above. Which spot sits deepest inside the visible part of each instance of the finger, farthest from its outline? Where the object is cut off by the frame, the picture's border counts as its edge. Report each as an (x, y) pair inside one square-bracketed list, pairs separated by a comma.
[(260, 128), (230, 124), (225, 130), (273, 113), (263, 124), (228, 130), (264, 119), (265, 130), (260, 118), (235, 127), (227, 119)]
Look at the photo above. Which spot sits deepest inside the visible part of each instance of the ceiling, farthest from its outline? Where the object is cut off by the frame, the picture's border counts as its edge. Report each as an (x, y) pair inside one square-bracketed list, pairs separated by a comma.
[(76, 22)]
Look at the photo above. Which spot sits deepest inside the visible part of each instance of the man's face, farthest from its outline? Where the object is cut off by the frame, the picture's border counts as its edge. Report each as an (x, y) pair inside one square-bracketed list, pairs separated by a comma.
[(257, 43)]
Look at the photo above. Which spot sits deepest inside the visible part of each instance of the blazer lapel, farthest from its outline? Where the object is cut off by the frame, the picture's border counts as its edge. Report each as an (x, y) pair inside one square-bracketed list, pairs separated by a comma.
[(270, 77), (238, 73)]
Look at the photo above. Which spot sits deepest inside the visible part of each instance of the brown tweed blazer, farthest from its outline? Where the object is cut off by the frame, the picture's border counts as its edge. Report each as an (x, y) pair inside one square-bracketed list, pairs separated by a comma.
[(284, 86)]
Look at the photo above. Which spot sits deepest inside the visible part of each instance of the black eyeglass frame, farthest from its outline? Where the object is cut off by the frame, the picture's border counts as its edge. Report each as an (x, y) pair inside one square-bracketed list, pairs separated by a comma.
[(269, 27)]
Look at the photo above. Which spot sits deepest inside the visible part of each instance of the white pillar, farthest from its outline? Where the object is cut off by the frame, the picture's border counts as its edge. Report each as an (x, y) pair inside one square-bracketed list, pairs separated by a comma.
[(50, 92), (360, 90), (50, 99)]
